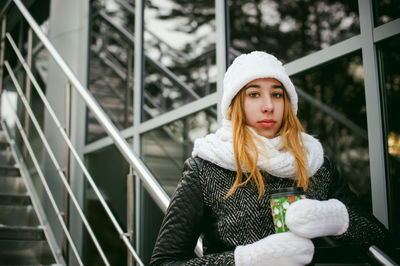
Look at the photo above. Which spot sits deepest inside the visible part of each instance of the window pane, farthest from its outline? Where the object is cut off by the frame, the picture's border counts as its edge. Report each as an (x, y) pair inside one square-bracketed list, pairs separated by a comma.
[(391, 87), (179, 54), (165, 149), (111, 65), (335, 112), (109, 170), (291, 29), (386, 11)]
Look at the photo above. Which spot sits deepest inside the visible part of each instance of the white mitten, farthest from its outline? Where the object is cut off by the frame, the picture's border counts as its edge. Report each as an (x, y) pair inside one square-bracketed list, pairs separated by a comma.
[(313, 218), (277, 249)]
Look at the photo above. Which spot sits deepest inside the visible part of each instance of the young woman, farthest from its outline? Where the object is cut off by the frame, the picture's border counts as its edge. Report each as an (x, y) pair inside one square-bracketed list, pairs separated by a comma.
[(225, 189)]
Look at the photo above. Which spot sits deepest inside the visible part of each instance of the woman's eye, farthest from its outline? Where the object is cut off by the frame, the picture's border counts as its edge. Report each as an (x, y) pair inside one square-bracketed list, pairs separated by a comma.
[(254, 94), (277, 95)]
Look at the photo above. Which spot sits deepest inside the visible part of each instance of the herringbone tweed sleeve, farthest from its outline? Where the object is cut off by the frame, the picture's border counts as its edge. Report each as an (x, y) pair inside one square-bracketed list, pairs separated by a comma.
[(181, 226)]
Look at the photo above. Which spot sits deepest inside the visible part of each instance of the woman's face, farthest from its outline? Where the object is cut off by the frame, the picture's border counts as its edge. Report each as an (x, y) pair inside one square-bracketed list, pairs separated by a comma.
[(264, 106)]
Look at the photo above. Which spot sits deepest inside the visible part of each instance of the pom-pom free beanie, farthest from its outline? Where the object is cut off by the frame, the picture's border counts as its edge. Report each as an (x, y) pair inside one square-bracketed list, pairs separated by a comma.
[(248, 67)]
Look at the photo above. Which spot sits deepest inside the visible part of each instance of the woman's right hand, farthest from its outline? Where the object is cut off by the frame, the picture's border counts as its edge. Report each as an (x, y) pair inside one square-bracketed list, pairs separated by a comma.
[(277, 249)]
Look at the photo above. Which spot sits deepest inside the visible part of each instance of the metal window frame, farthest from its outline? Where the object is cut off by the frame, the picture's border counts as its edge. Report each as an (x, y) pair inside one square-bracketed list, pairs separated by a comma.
[(364, 41)]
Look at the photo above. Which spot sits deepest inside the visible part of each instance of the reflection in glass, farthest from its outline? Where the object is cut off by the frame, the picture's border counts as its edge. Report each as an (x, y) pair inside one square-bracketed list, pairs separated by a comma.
[(386, 11), (109, 170), (165, 149), (340, 124), (391, 89), (291, 29), (179, 54), (111, 65)]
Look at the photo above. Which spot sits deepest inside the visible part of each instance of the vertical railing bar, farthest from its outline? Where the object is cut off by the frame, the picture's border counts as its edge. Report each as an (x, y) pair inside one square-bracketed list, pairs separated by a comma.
[(137, 88), (130, 209), (5, 8), (2, 51), (128, 86), (67, 163), (73, 151), (28, 84), (208, 64), (149, 181), (44, 182), (54, 160)]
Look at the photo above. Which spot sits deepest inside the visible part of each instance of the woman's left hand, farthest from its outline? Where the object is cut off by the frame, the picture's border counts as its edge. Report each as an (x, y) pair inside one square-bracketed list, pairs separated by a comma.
[(314, 218)]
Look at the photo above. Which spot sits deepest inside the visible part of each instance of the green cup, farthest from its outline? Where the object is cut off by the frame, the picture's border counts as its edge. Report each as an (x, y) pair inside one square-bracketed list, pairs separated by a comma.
[(280, 202)]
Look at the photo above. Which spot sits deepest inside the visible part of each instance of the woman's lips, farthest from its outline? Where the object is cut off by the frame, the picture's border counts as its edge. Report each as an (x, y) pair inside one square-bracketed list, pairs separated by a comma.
[(266, 123)]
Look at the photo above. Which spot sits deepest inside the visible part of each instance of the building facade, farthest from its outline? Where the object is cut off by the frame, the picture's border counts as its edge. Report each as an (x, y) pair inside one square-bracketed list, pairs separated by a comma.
[(156, 68)]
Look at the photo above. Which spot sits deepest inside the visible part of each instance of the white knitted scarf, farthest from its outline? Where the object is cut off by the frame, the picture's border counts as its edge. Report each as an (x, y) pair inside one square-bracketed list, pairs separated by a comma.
[(272, 157)]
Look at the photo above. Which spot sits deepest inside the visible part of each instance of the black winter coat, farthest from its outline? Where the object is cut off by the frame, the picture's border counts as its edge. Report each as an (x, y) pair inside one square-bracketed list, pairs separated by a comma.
[(198, 207)]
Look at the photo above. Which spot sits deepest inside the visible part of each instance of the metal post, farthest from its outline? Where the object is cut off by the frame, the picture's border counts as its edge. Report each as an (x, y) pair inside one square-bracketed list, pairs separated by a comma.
[(128, 89), (28, 86), (208, 65), (137, 106), (376, 143), (65, 246), (221, 18), (130, 186), (2, 47)]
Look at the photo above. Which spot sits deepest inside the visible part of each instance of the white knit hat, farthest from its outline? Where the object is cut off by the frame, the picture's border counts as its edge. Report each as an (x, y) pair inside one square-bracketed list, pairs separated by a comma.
[(255, 65)]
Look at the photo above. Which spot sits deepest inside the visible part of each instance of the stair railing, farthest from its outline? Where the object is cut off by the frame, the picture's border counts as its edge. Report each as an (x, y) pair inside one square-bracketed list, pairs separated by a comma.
[(60, 170), (149, 182)]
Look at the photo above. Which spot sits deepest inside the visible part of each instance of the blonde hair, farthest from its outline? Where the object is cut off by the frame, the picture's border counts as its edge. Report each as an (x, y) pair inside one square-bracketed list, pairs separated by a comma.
[(245, 150)]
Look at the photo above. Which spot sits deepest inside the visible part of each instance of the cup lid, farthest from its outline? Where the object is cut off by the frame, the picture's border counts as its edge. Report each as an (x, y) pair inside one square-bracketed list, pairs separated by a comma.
[(288, 190)]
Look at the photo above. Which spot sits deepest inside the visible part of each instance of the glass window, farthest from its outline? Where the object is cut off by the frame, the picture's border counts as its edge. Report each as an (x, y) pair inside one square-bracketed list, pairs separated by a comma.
[(179, 54), (332, 107), (109, 170), (290, 29), (111, 65), (165, 149), (386, 10), (390, 83)]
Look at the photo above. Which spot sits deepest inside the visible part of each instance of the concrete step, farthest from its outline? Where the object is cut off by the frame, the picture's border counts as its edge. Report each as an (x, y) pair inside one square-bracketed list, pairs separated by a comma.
[(30, 233), (3, 145), (14, 215), (14, 199), (25, 252), (12, 185), (7, 170)]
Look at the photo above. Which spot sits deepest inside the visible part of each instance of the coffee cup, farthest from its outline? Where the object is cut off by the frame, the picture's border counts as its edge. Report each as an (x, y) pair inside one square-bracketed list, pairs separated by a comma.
[(280, 202)]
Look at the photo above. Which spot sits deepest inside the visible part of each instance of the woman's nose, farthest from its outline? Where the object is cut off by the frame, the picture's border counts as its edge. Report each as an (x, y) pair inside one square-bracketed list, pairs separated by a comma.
[(267, 106)]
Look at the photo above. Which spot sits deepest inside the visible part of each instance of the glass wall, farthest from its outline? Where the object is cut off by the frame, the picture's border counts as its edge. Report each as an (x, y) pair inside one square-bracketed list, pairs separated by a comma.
[(165, 149), (111, 64), (390, 85), (180, 70), (179, 52), (109, 170), (291, 29), (386, 11), (340, 124)]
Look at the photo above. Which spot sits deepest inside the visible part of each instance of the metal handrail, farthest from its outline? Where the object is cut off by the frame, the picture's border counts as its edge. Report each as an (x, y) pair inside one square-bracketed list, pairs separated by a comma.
[(43, 180), (380, 256), (47, 146), (150, 183)]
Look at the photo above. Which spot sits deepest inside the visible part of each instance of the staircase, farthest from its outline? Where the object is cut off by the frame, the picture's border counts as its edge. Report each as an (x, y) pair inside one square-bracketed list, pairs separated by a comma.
[(22, 237)]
